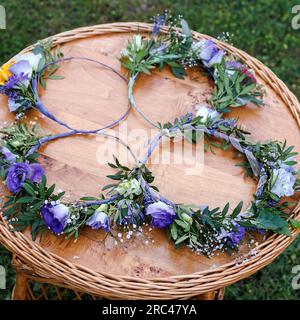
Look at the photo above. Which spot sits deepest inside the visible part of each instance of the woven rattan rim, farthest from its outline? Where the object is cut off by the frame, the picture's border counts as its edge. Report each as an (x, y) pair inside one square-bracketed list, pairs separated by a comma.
[(51, 266)]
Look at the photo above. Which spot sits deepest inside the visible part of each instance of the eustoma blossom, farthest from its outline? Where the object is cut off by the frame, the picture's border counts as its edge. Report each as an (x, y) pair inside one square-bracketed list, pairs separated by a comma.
[(208, 52), (18, 173), (55, 216), (162, 214), (99, 220)]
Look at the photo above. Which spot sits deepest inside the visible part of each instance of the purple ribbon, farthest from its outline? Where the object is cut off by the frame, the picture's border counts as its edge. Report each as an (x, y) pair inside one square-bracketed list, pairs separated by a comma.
[(98, 202)]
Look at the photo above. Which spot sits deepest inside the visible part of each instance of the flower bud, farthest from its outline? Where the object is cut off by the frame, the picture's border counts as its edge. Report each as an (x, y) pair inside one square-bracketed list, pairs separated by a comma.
[(102, 208), (16, 143)]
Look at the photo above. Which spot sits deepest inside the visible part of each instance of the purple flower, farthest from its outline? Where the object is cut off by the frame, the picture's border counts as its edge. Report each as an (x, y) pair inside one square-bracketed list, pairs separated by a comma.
[(236, 236), (158, 49), (229, 123), (55, 216), (210, 54), (161, 213), (249, 74), (22, 69), (134, 212), (8, 155), (158, 23), (234, 65), (19, 172), (36, 172), (188, 117), (10, 89), (271, 203), (147, 197), (13, 82), (98, 220)]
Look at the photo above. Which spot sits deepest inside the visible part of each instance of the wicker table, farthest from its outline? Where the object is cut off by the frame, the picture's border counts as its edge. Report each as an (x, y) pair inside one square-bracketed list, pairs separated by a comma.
[(89, 96)]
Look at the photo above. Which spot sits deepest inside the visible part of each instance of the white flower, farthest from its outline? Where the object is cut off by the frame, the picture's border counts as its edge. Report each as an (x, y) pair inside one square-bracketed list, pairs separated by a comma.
[(206, 113), (197, 47), (33, 59), (129, 188), (124, 53), (137, 40), (283, 183)]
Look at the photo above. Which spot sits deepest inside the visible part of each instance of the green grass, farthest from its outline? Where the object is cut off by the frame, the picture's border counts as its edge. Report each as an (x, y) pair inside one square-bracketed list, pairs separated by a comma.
[(261, 27)]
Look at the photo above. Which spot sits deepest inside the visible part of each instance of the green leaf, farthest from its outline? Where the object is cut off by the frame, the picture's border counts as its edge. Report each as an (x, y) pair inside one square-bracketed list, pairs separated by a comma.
[(248, 89), (270, 221), (174, 233), (115, 176), (284, 230), (290, 163), (112, 165), (89, 199), (44, 182), (178, 71), (237, 210), (50, 191), (109, 186), (35, 228), (295, 223), (29, 189), (225, 210), (183, 224), (181, 239), (55, 77), (25, 200), (154, 188)]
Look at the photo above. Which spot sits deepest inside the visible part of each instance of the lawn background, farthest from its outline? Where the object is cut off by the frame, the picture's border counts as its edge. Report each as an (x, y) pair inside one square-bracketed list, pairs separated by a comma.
[(262, 28)]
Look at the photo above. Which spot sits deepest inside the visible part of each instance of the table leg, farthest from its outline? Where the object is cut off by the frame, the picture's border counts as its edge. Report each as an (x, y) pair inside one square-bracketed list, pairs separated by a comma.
[(212, 295), (20, 288)]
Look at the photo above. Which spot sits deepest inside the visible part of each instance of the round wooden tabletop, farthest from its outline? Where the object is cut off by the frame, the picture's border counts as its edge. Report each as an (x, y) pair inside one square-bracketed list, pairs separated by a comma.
[(90, 97)]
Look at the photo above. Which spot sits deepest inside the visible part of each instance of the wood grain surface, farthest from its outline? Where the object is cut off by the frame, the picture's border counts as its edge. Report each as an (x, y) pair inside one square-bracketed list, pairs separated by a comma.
[(90, 97)]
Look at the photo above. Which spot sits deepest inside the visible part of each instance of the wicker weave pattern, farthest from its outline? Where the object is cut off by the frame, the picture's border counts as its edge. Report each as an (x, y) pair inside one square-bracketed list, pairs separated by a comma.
[(57, 270)]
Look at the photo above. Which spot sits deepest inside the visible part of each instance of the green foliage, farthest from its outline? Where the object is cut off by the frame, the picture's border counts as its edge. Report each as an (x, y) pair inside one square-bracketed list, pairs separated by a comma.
[(185, 229), (124, 173), (20, 138), (274, 41), (81, 214), (23, 209), (234, 91), (47, 66), (136, 56)]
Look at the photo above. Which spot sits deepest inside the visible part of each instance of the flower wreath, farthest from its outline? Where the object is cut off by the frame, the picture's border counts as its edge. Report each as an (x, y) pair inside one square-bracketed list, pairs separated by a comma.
[(20, 77), (133, 199)]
